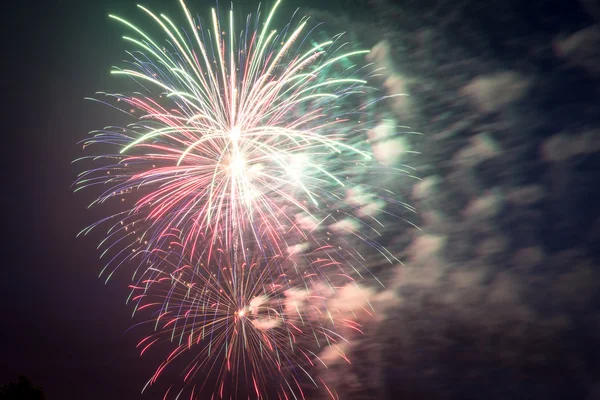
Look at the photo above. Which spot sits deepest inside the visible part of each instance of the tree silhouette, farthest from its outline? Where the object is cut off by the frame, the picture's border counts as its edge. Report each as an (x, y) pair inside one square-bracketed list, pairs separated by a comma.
[(23, 389)]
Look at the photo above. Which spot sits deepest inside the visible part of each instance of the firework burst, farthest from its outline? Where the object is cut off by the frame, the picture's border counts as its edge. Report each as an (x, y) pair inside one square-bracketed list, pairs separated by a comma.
[(251, 328), (249, 153), (251, 135)]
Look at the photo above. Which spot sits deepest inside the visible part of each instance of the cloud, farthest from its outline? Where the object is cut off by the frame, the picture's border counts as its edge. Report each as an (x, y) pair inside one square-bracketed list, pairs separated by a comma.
[(387, 144), (491, 93), (580, 49), (394, 83), (426, 187), (481, 147), (345, 226), (334, 353), (352, 300), (525, 195), (485, 207), (298, 248), (306, 222), (562, 147)]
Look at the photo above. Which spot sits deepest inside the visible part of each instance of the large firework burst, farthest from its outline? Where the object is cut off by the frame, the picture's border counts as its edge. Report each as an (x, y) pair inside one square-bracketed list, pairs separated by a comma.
[(248, 154), (252, 134)]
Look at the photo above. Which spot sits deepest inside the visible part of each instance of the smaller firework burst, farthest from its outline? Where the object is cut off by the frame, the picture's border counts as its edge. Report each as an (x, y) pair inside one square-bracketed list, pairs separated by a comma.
[(251, 327)]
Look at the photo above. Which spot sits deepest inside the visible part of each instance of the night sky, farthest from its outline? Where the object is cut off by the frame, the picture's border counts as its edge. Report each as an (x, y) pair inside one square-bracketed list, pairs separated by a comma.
[(63, 328), (61, 325)]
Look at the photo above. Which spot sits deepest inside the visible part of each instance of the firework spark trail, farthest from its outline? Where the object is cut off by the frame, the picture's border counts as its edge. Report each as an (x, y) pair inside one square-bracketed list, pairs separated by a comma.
[(241, 321), (234, 137)]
